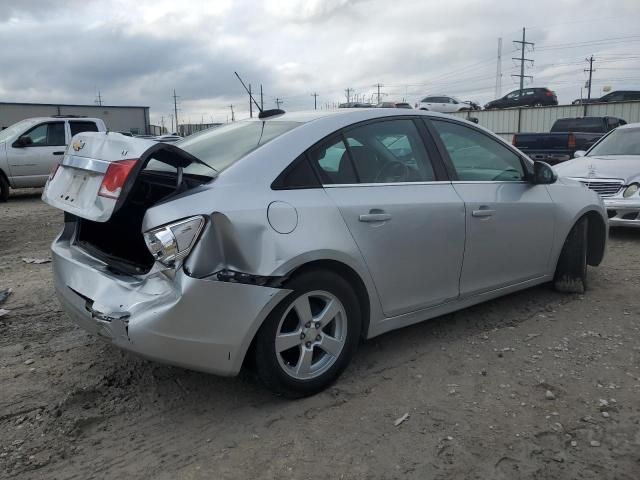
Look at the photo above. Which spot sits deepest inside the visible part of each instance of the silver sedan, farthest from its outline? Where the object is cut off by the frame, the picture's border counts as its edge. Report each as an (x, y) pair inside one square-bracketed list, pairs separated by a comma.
[(285, 240), (612, 168)]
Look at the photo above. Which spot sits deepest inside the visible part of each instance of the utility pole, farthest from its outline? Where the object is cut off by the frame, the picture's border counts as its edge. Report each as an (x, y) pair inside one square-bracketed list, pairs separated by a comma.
[(498, 91), (171, 118), (379, 85), (590, 70), (523, 43), (261, 99), (278, 102), (233, 116), (175, 109), (162, 124), (315, 100), (348, 92), (99, 99), (250, 103)]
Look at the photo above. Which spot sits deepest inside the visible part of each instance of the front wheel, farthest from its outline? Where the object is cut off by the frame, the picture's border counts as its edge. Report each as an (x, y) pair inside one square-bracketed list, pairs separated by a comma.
[(571, 271), (310, 337)]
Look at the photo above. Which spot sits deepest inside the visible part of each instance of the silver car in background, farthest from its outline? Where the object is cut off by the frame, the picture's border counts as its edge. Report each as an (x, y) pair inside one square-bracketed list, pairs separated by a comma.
[(612, 168), (287, 239)]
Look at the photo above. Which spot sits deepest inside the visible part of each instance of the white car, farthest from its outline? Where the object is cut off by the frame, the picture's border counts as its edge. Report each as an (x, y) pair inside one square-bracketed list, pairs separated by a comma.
[(443, 104), (31, 148)]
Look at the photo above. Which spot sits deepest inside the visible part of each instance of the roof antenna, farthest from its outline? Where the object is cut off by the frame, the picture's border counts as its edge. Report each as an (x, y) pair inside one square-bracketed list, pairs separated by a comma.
[(265, 113), (251, 96)]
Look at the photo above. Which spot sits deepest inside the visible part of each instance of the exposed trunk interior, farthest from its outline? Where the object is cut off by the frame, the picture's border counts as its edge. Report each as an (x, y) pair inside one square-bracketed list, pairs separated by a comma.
[(119, 241)]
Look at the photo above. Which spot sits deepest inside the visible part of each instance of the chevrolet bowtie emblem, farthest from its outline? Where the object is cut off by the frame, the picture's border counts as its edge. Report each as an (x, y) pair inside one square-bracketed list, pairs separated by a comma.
[(77, 146)]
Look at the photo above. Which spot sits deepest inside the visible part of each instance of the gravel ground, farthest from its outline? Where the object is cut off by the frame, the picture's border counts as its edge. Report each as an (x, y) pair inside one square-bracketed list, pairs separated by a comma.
[(534, 385)]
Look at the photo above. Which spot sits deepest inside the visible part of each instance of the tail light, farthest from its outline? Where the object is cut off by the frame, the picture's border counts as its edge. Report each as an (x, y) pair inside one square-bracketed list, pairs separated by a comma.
[(173, 242), (549, 93), (572, 141), (115, 177), (513, 141)]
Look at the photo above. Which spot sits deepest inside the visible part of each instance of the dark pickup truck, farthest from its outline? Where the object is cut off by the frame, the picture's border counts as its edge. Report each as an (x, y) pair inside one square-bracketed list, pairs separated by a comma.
[(567, 136)]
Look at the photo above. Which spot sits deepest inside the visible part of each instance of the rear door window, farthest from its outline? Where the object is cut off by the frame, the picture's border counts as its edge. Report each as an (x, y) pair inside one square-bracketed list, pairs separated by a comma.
[(389, 151), (332, 162), (79, 127)]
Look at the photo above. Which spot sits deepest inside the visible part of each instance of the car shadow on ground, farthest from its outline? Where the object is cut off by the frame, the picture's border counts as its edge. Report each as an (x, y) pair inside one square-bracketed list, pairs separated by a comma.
[(625, 233), (388, 351), (24, 194)]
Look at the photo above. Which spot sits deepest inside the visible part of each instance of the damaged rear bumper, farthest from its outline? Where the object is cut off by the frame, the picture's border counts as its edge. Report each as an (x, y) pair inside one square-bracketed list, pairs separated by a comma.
[(199, 324)]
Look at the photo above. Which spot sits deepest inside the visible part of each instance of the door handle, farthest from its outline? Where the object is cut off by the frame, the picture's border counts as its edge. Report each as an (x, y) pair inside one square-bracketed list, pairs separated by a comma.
[(375, 217), (58, 153), (482, 212)]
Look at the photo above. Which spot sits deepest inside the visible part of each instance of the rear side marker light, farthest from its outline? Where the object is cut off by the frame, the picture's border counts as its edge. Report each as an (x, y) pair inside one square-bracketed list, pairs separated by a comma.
[(115, 178), (572, 141)]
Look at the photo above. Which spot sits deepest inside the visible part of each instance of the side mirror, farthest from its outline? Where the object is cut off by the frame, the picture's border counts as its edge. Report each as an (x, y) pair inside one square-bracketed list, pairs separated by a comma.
[(23, 141), (579, 153), (474, 119), (543, 174)]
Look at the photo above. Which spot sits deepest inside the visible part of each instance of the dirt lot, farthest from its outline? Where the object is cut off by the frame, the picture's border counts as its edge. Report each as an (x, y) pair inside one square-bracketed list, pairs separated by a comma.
[(534, 385)]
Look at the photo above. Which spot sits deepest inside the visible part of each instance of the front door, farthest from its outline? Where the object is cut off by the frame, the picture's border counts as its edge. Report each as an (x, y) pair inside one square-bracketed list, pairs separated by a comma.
[(407, 221), (31, 165), (509, 221)]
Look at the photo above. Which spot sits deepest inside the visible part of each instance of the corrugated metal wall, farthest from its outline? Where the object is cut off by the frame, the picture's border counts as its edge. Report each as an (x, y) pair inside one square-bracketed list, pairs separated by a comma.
[(539, 119)]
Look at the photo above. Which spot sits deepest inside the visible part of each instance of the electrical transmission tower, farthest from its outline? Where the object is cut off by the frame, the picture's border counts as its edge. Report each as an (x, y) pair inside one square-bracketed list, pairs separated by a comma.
[(523, 43), (175, 108), (590, 70), (315, 100), (499, 70), (348, 91), (378, 85), (99, 99)]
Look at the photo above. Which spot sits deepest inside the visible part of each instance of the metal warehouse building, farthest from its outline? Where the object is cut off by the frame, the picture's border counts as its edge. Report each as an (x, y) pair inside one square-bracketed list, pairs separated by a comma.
[(117, 118)]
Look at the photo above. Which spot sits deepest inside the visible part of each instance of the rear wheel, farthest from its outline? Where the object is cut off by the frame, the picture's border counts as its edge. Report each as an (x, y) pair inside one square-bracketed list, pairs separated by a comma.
[(571, 271), (310, 337), (4, 189)]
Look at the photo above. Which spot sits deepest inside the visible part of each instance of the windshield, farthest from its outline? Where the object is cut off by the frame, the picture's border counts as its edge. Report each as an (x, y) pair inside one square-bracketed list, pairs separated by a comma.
[(220, 147), (623, 141), (17, 128)]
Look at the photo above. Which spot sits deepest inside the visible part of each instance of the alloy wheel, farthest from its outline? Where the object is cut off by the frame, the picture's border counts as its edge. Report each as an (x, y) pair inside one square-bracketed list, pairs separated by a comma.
[(311, 334)]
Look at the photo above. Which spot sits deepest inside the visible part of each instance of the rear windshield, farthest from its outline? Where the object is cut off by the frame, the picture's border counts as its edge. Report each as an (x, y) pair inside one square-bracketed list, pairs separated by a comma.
[(590, 125), (220, 147), (623, 141)]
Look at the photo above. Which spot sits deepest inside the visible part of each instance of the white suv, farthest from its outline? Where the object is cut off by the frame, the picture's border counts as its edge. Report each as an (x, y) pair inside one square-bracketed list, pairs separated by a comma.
[(30, 148), (443, 104)]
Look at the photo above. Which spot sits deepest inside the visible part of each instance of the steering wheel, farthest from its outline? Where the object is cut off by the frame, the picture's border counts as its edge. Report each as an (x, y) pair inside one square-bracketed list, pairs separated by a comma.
[(393, 172)]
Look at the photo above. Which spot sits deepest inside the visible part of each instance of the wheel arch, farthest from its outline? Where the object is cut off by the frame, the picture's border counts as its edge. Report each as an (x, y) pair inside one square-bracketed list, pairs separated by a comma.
[(596, 237)]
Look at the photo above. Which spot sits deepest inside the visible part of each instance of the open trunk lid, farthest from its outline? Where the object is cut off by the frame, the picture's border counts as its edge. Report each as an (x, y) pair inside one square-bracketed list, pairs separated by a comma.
[(99, 169)]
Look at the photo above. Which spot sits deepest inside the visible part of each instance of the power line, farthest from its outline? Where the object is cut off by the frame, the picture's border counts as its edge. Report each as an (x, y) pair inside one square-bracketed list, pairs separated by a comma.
[(523, 43)]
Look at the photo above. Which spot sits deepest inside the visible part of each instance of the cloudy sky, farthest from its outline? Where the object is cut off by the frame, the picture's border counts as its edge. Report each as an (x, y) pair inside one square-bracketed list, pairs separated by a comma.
[(135, 52)]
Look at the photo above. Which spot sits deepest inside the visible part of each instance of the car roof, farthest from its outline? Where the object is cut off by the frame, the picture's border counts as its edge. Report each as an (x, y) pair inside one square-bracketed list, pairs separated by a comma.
[(350, 115), (629, 126), (46, 119)]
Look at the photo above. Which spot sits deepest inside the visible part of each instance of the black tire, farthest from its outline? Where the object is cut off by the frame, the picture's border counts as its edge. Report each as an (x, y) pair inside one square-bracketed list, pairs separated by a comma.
[(267, 366), (4, 189), (571, 271)]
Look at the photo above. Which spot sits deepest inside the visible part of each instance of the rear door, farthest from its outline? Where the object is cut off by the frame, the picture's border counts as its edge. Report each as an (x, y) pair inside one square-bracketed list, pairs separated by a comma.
[(509, 221), (401, 210), (31, 165)]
